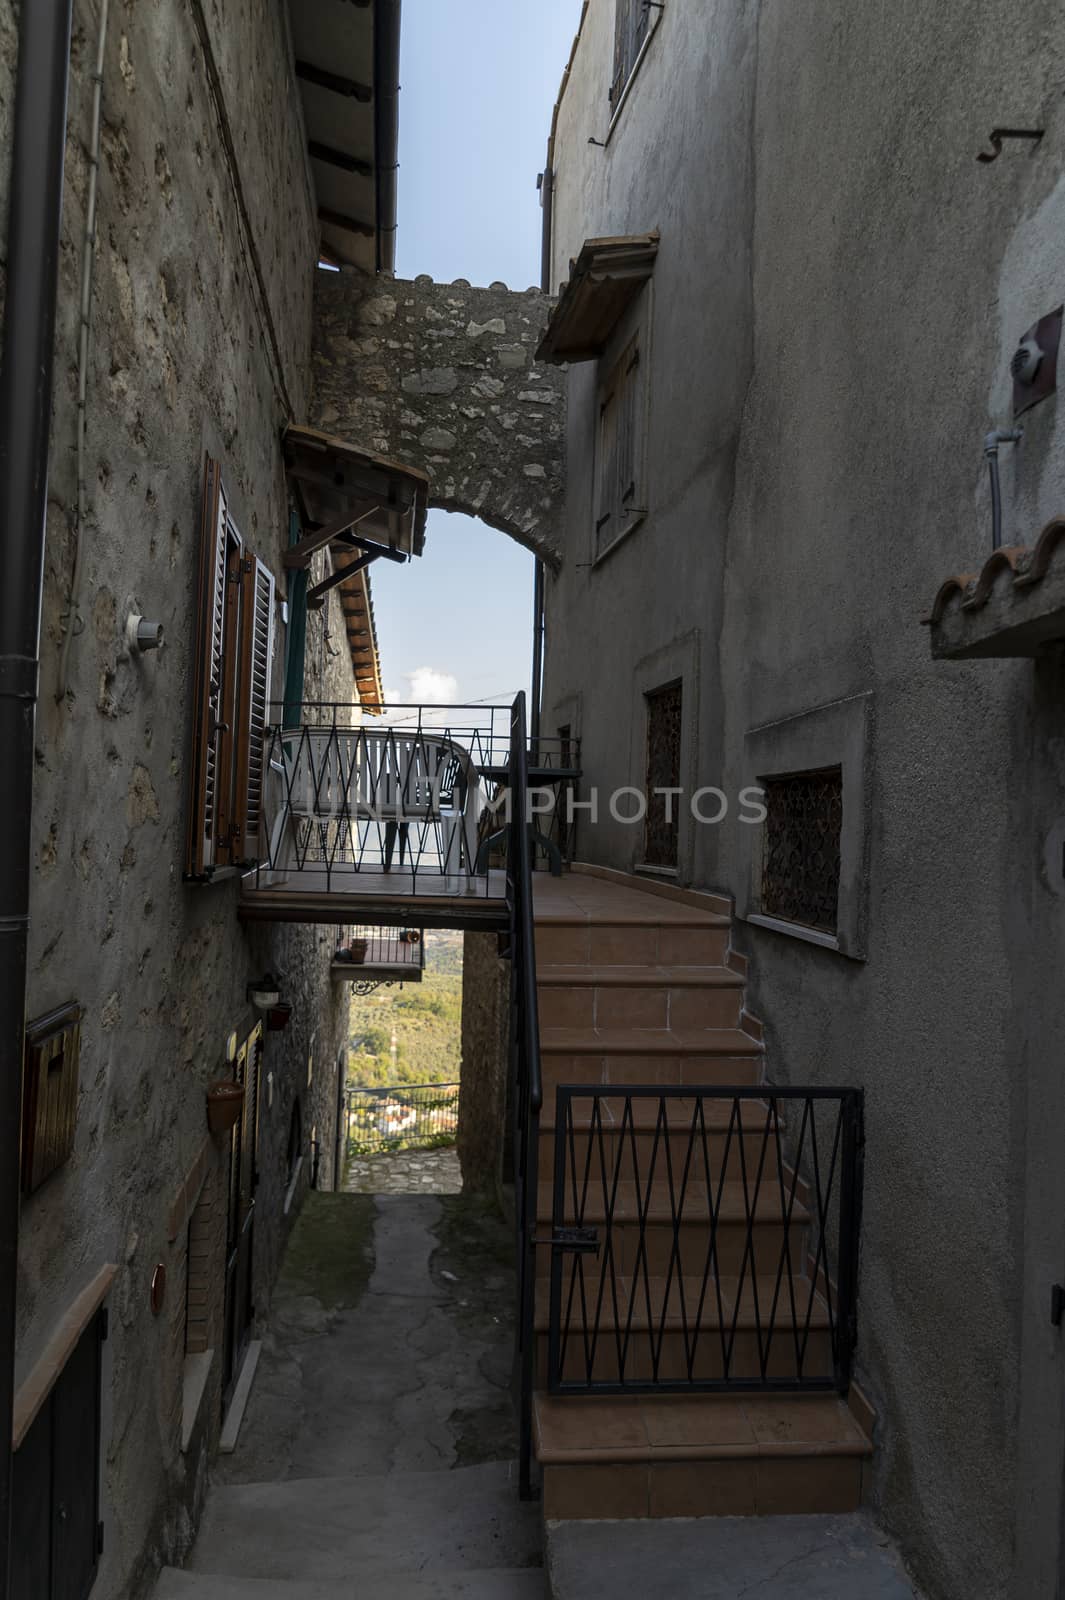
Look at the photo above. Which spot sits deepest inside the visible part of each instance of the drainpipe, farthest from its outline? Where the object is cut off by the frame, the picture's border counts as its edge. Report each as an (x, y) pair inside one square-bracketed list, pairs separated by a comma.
[(35, 209), (547, 198), (992, 441)]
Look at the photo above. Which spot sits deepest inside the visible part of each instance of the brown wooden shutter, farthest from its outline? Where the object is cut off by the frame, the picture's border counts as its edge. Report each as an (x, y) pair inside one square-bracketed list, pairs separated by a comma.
[(217, 624), (49, 1094), (606, 522), (256, 649), (628, 427)]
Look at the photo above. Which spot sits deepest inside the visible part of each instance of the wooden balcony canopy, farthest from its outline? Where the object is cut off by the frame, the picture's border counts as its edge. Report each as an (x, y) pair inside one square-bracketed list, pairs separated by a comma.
[(604, 280), (352, 498)]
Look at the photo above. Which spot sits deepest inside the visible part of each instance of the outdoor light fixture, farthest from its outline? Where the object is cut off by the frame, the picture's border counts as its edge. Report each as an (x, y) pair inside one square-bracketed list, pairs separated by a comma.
[(265, 992)]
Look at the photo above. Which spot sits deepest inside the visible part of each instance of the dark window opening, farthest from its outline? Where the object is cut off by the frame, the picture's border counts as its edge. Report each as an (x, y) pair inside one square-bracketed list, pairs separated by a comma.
[(662, 832), (801, 864), (632, 22)]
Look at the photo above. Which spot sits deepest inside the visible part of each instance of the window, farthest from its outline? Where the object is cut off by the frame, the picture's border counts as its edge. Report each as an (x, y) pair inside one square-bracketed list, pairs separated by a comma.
[(632, 25), (619, 495), (662, 835), (232, 690), (49, 1094), (801, 863)]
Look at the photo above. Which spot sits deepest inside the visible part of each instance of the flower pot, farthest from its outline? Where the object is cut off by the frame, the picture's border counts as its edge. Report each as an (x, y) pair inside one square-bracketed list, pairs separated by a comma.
[(358, 949), (278, 1017), (225, 1102)]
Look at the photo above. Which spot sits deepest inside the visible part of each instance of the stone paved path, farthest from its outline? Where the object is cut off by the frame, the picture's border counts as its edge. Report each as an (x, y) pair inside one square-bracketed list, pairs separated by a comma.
[(405, 1172)]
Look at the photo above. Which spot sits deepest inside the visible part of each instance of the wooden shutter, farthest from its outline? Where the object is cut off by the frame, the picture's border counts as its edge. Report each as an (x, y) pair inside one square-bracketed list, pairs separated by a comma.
[(606, 521), (256, 651), (628, 435), (50, 1094), (631, 22), (209, 804)]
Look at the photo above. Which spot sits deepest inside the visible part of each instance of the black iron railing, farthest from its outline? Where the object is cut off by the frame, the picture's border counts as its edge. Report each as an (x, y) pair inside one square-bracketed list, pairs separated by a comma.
[(368, 956), (405, 1116), (704, 1239), (525, 1077)]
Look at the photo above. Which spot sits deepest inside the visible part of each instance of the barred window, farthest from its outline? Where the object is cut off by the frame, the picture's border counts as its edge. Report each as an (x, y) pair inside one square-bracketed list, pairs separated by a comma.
[(664, 727), (632, 21), (801, 862)]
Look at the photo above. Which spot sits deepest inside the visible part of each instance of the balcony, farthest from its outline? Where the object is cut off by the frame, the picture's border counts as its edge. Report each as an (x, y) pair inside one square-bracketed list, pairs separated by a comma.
[(394, 821), (366, 956)]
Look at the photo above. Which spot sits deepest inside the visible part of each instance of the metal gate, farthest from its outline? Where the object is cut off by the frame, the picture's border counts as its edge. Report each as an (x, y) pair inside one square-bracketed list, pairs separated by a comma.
[(704, 1239), (240, 1228)]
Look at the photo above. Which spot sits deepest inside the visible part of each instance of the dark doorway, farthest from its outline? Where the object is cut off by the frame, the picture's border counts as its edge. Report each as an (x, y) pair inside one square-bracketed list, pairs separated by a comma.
[(240, 1228)]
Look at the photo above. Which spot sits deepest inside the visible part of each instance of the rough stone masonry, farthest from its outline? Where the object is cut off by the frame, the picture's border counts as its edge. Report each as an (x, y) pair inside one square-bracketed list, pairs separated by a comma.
[(441, 376)]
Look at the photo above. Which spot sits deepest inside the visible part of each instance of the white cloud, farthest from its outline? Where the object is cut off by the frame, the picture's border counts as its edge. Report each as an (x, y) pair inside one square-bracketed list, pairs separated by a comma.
[(427, 686)]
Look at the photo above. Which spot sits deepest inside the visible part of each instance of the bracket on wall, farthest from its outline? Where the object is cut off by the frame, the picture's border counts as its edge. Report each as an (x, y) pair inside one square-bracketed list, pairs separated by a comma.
[(997, 135)]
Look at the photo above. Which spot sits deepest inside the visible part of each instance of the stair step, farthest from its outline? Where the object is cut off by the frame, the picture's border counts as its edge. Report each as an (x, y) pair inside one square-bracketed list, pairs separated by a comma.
[(696, 939), (804, 1558), (653, 1247), (323, 1530), (626, 997), (631, 1340), (508, 1583), (607, 1140), (639, 976), (692, 1456)]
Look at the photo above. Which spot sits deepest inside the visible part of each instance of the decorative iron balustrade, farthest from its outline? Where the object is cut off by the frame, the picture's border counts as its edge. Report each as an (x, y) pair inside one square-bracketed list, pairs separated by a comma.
[(405, 1116), (408, 798), (704, 1239)]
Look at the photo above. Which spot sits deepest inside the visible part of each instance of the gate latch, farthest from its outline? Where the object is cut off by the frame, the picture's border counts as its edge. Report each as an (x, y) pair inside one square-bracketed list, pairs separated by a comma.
[(585, 1241)]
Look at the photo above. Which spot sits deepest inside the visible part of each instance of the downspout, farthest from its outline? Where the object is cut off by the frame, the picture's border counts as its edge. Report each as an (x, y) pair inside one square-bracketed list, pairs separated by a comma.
[(34, 216), (87, 264), (386, 35), (547, 199)]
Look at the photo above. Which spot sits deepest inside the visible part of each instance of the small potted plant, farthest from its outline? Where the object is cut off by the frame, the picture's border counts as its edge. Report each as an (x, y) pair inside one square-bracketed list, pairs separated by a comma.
[(358, 949), (278, 1016), (225, 1102)]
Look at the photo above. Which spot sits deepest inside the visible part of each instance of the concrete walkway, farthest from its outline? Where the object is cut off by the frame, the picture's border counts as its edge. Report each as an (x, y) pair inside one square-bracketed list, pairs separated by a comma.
[(377, 1451)]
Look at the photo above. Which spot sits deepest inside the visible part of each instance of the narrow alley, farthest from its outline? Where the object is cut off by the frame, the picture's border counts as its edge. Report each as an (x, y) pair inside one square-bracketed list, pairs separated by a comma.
[(377, 1452)]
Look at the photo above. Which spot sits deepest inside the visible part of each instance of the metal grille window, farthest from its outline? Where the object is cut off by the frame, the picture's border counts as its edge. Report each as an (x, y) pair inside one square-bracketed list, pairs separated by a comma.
[(663, 772), (620, 498), (800, 871)]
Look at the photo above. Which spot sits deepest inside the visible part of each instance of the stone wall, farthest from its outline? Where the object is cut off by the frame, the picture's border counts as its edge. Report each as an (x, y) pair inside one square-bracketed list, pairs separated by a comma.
[(201, 324), (441, 376), (483, 1073)]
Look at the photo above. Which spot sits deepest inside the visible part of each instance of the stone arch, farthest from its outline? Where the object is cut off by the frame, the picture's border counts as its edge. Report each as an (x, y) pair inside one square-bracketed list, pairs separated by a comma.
[(442, 376)]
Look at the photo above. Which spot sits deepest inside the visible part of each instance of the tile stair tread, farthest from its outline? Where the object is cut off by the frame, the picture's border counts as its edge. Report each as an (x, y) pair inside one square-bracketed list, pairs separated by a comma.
[(573, 1429), (592, 976), (679, 1114), (693, 1288), (649, 1041), (729, 1205)]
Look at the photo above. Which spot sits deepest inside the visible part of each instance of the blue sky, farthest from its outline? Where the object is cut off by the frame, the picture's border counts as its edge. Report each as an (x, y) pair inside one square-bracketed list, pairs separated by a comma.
[(479, 80)]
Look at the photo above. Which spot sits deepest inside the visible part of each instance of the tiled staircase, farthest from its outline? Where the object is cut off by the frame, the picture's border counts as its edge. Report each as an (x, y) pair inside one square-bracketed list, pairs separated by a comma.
[(639, 988)]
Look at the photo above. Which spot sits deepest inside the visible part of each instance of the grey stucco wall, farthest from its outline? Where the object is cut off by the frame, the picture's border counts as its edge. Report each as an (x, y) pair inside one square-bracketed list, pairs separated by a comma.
[(193, 347), (441, 376), (483, 1072), (839, 289)]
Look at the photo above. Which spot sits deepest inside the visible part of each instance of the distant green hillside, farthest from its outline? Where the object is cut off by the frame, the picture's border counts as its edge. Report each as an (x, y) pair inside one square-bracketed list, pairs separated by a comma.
[(425, 1017)]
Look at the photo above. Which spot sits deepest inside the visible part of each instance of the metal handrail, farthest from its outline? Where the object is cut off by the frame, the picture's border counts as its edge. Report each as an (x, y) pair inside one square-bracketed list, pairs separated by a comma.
[(525, 1076)]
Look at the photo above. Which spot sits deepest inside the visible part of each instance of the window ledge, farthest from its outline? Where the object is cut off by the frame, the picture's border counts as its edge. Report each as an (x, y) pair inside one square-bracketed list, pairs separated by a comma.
[(638, 520), (656, 18), (796, 930), (197, 1371)]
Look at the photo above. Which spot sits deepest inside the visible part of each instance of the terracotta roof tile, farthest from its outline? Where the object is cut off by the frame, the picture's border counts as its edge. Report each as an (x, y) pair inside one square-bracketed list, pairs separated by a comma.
[(1026, 565)]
